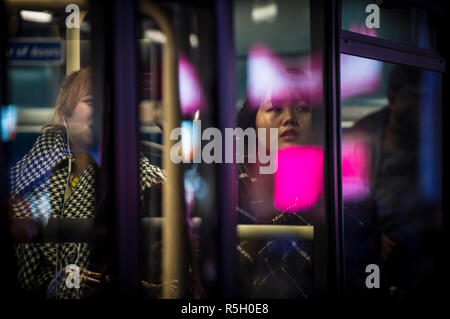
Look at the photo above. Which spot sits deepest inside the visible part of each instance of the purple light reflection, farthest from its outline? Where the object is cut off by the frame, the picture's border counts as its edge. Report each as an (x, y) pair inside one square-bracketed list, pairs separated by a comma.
[(362, 29), (268, 74), (359, 76), (356, 161), (191, 93)]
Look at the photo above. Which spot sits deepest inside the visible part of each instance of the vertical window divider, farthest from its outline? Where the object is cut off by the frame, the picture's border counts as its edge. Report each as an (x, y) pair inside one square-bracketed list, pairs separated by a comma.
[(332, 154), (6, 247), (126, 152), (227, 192), (328, 264)]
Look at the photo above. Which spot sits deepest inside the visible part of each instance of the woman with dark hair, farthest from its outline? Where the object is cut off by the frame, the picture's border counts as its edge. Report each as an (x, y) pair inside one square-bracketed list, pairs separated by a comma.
[(282, 267), (295, 119), (274, 268)]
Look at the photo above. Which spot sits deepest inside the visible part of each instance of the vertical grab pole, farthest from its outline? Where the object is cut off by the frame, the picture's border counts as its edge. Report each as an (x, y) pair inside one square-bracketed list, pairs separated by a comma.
[(73, 47), (174, 263)]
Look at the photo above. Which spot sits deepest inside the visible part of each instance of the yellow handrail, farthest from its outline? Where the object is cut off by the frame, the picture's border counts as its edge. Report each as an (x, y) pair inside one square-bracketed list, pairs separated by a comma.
[(275, 231), (174, 263)]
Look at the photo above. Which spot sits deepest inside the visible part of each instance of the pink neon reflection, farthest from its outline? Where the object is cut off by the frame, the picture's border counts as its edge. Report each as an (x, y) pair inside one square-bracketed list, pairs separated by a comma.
[(191, 93), (359, 76), (298, 181), (362, 29), (355, 169), (267, 73)]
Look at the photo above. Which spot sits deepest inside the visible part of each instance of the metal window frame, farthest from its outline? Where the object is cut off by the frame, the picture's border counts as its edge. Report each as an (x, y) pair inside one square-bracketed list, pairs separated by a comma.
[(227, 187), (332, 151), (126, 144), (328, 252), (8, 265), (389, 51)]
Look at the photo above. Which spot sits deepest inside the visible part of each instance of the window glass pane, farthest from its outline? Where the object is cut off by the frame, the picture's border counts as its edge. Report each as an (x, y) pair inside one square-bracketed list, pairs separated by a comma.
[(150, 82), (391, 175), (54, 150), (278, 85), (396, 21), (194, 61)]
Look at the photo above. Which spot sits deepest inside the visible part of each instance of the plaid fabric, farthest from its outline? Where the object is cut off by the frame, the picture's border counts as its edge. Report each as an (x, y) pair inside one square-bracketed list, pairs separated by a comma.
[(278, 268), (149, 175), (275, 268), (38, 184)]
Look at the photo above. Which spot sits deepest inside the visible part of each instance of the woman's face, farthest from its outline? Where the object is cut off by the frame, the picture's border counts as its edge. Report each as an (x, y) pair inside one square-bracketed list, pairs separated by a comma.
[(292, 119), (80, 124)]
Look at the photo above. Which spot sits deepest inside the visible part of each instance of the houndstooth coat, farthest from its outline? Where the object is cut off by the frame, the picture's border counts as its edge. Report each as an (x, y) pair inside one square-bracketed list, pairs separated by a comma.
[(38, 183)]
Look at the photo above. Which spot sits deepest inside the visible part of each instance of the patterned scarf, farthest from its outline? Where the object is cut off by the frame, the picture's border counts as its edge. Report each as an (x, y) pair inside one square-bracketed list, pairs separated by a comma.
[(38, 185)]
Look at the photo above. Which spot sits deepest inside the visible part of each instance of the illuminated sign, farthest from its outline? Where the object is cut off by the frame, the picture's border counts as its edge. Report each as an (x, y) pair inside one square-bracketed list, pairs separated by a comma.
[(44, 51)]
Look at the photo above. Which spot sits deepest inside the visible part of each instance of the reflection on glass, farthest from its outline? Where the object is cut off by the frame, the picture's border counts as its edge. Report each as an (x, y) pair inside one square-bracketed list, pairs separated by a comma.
[(54, 153), (268, 74), (8, 118), (191, 93), (398, 21), (55, 164), (195, 63), (53, 181), (355, 156), (392, 137), (359, 76), (282, 92)]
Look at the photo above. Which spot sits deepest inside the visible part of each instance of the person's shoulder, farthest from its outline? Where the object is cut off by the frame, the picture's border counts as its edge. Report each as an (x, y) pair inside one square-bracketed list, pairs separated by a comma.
[(51, 139), (150, 174), (48, 148), (372, 121)]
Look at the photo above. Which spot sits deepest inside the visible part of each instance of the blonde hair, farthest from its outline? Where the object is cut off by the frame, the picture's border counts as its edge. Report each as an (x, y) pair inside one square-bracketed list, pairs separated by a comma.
[(76, 86)]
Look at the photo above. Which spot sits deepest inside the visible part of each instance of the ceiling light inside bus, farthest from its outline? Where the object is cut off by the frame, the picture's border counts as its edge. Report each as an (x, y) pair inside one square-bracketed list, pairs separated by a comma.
[(155, 36), (36, 16), (266, 12)]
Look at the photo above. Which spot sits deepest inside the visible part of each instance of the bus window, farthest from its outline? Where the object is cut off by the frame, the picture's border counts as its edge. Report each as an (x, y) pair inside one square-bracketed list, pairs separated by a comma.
[(391, 20), (183, 33), (53, 153), (279, 101), (391, 177)]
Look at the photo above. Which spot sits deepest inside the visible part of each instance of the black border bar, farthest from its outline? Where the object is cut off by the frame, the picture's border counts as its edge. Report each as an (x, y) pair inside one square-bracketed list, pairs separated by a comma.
[(389, 51)]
